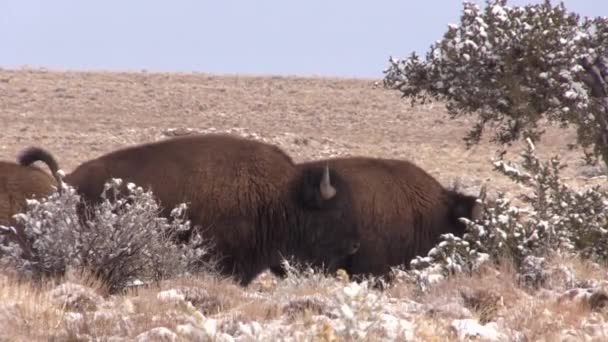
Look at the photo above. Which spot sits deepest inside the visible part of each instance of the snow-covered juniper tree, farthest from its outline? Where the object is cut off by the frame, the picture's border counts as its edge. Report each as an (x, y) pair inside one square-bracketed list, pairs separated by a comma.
[(513, 66)]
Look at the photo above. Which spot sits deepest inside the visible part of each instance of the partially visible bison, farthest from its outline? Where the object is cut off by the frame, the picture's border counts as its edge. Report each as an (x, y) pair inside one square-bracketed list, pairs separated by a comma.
[(402, 211), (248, 196), (22, 181)]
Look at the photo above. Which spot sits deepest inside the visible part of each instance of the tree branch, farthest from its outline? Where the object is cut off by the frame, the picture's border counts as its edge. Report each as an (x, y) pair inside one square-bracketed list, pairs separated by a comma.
[(602, 63), (594, 78)]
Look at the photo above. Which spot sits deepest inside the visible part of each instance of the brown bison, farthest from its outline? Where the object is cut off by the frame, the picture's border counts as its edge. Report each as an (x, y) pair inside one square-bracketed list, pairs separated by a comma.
[(22, 181), (248, 196), (402, 211)]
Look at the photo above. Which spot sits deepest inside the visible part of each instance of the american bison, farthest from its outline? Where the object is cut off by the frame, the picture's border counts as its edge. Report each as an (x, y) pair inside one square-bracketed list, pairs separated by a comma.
[(22, 181), (248, 196), (402, 211)]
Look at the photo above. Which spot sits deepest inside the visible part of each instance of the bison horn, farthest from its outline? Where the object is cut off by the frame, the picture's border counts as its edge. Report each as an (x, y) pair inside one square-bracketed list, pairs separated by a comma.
[(483, 192), (477, 212), (456, 184), (478, 209), (327, 190)]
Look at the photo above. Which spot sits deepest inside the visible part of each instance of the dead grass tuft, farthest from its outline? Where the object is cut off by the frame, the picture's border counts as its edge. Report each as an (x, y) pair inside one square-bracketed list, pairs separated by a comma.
[(485, 303), (304, 307)]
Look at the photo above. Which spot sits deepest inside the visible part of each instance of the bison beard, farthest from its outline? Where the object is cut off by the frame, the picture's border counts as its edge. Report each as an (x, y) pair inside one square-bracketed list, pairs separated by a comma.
[(247, 196), (401, 210)]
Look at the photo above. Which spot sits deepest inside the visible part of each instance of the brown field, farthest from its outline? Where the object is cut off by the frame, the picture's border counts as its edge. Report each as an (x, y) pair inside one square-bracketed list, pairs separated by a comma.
[(81, 115)]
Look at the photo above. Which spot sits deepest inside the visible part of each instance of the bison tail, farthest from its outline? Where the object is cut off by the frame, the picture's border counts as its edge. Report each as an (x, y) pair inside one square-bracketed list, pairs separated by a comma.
[(33, 154)]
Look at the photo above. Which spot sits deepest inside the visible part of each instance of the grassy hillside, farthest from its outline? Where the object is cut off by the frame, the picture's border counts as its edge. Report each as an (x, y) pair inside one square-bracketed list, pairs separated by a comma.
[(80, 115)]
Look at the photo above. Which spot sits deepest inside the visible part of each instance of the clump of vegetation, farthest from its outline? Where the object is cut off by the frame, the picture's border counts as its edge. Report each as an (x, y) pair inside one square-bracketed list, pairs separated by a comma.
[(554, 219), (124, 242)]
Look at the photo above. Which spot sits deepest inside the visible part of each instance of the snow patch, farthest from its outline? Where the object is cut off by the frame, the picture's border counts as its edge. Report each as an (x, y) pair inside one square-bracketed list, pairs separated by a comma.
[(470, 328)]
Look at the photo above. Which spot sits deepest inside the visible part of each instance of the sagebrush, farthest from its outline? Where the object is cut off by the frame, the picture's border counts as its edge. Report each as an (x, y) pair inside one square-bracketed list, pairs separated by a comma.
[(124, 242)]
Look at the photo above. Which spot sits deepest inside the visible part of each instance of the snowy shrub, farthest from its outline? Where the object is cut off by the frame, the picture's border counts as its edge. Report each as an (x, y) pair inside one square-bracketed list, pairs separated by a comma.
[(124, 242), (356, 298), (555, 219)]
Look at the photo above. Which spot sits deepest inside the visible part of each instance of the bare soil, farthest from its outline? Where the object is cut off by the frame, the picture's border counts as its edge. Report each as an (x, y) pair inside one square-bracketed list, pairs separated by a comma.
[(82, 115)]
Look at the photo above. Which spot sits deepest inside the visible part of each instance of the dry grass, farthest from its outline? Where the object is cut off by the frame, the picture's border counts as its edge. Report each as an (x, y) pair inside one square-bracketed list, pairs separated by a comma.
[(23, 306), (493, 295), (80, 115)]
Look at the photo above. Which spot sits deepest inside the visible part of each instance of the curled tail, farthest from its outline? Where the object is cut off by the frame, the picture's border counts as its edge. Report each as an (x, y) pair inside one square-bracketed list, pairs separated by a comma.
[(33, 154)]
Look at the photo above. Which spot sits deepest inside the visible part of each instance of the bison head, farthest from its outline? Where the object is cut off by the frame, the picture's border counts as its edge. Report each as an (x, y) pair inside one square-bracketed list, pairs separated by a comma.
[(327, 217), (470, 207)]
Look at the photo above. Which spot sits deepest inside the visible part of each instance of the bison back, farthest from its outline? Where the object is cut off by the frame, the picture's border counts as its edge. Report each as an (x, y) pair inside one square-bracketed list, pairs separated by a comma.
[(214, 173)]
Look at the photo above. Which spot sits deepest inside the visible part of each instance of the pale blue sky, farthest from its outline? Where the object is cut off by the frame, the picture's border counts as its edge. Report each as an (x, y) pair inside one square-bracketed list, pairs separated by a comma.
[(313, 37)]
